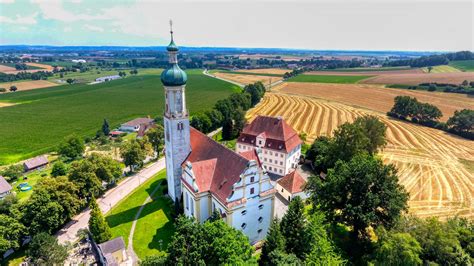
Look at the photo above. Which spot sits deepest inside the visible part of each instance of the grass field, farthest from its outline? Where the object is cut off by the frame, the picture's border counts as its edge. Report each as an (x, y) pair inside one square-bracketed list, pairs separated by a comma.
[(28, 85), (42, 118), (366, 69), (464, 65), (91, 75), (434, 166), (154, 223), (441, 69), (417, 78), (328, 79)]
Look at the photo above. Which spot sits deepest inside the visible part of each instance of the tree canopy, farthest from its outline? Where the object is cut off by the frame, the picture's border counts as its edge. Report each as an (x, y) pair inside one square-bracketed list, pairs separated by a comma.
[(45, 250), (72, 147), (98, 227)]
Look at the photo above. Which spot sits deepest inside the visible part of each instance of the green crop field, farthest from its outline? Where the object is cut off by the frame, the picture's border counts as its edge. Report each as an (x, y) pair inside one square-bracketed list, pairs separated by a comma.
[(60, 63), (463, 65), (327, 79), (91, 75), (366, 69), (43, 117)]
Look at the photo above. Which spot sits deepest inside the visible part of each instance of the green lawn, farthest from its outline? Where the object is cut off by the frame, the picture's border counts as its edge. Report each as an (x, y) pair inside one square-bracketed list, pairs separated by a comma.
[(32, 179), (463, 65), (327, 79), (45, 116), (154, 223)]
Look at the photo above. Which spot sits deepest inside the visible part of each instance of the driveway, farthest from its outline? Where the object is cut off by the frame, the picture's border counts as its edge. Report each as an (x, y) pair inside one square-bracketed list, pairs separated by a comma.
[(109, 200)]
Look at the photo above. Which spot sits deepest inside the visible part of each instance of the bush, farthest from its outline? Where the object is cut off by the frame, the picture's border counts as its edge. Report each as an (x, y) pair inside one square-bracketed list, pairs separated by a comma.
[(3, 90)]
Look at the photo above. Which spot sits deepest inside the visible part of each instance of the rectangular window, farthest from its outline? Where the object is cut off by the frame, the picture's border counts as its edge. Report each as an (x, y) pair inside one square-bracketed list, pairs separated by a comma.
[(187, 201), (252, 179), (252, 190)]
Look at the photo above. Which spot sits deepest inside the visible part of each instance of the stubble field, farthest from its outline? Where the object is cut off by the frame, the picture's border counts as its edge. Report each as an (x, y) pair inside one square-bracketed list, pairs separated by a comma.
[(433, 165), (247, 79), (417, 78), (381, 99), (28, 85)]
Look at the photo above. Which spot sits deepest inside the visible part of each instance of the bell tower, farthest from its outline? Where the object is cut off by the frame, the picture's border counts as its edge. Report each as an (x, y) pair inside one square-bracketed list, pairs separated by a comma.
[(176, 120)]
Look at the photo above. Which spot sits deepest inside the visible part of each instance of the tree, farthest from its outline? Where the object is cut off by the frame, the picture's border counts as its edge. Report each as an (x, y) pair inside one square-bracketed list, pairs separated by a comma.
[(45, 250), (13, 88), (213, 243), (273, 242), (59, 169), (360, 193), (428, 112), (3, 90), (216, 118), (227, 129), (239, 122), (83, 174), (7, 203), (280, 258), (154, 260), (465, 83), (374, 130), (429, 69), (98, 227), (293, 229), (201, 122), (105, 167), (53, 202), (13, 172), (70, 81), (133, 154), (72, 147), (105, 127), (11, 233), (155, 137), (397, 249), (462, 121), (405, 106)]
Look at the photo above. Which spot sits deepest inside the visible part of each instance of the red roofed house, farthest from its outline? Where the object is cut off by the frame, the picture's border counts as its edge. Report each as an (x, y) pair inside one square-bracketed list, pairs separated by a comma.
[(291, 185), (206, 175), (135, 124), (279, 142)]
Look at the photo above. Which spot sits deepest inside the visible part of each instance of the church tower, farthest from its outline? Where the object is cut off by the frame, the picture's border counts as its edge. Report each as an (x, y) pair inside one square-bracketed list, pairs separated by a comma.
[(176, 121)]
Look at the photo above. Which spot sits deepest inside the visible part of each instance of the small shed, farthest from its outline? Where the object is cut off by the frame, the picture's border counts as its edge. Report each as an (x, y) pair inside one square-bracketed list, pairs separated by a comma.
[(35, 163), (113, 252), (5, 187), (291, 185)]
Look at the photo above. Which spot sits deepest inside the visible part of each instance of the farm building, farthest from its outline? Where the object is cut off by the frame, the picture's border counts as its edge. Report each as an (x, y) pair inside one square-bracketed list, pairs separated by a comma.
[(5, 187), (107, 78), (35, 163), (78, 61), (113, 252), (135, 124), (144, 129), (291, 185), (206, 175), (279, 142)]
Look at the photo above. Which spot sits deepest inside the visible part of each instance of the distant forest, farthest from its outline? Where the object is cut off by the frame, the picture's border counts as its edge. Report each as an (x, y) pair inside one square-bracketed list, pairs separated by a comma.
[(433, 60)]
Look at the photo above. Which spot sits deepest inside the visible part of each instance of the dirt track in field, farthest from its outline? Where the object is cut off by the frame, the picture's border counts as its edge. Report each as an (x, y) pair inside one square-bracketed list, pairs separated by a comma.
[(381, 99), (428, 160), (28, 85), (247, 79)]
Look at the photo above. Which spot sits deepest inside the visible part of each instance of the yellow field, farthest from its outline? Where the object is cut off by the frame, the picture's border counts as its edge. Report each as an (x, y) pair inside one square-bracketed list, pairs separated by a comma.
[(278, 71), (441, 69), (431, 163), (5, 104), (28, 85), (247, 79)]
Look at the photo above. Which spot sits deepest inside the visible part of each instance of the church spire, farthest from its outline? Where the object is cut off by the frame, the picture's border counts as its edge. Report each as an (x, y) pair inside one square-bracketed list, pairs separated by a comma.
[(173, 75), (172, 46)]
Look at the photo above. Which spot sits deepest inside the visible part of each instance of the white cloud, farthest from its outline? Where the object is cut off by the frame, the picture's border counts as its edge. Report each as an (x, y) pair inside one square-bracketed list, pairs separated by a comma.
[(93, 28), (67, 29), (54, 10), (20, 20), (7, 1)]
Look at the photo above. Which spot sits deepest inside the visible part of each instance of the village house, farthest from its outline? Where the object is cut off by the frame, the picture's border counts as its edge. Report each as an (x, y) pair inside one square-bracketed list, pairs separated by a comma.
[(5, 187), (35, 163), (207, 176), (114, 252), (291, 185), (135, 124), (279, 142)]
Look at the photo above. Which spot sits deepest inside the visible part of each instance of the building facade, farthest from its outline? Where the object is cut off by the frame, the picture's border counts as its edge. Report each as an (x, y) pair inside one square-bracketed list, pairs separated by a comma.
[(279, 143), (208, 176)]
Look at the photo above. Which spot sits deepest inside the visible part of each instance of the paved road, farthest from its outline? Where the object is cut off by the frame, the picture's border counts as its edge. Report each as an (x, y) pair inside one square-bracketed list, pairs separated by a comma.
[(109, 200)]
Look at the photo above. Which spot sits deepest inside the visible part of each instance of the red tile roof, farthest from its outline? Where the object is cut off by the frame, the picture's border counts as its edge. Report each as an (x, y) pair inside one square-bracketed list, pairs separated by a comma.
[(278, 134), (292, 182), (216, 168), (251, 155)]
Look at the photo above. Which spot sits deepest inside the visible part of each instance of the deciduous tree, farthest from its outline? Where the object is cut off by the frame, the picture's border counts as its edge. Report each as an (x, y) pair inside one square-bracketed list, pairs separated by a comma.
[(155, 137), (72, 147), (462, 121), (45, 250), (11, 233), (59, 169)]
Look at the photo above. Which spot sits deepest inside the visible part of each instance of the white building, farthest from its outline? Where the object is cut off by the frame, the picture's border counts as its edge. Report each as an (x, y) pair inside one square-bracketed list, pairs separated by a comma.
[(135, 124), (291, 185), (279, 142), (206, 175), (107, 78)]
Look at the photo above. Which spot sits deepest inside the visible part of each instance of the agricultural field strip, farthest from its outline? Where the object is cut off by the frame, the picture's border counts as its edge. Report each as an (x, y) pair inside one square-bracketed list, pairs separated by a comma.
[(427, 159), (246, 79)]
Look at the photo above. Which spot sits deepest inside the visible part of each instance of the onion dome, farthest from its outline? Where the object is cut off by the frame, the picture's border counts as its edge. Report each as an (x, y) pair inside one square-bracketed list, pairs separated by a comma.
[(174, 76), (172, 46)]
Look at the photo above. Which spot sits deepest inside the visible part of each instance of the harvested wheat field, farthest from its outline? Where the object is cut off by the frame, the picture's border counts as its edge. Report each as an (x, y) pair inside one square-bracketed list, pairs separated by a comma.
[(381, 99), (28, 85), (368, 73), (415, 79), (430, 162), (6, 69), (278, 71), (6, 104), (247, 79), (12, 70)]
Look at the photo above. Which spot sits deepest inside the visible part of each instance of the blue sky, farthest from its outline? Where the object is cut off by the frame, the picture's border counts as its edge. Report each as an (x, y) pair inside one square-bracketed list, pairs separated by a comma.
[(418, 25)]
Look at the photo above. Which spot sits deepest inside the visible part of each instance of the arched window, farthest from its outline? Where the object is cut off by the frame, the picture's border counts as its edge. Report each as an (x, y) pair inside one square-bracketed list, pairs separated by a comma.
[(244, 225)]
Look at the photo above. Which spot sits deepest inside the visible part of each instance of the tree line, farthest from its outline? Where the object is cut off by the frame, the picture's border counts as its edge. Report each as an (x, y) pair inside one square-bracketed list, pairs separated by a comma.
[(409, 108), (432, 60), (229, 113), (40, 75)]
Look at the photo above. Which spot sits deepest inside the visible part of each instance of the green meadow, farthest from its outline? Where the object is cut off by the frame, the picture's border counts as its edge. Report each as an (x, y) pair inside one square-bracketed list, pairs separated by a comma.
[(463, 65), (327, 79), (42, 118)]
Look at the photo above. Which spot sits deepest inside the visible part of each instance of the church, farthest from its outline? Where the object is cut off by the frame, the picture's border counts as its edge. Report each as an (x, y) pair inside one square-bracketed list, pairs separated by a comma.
[(207, 176)]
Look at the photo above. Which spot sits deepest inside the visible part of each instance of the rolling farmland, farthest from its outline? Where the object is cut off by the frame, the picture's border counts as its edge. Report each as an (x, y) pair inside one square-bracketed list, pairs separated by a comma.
[(247, 79), (417, 78), (342, 79), (42, 118), (433, 165), (464, 65), (441, 69), (28, 85)]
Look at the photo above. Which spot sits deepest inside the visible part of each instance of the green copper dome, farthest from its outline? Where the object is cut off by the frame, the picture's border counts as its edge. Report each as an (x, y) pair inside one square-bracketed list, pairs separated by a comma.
[(174, 76), (172, 46)]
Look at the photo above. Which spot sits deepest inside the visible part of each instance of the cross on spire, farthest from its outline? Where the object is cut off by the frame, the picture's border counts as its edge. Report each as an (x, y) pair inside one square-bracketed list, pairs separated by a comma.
[(171, 28)]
